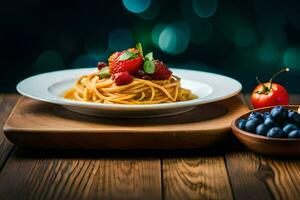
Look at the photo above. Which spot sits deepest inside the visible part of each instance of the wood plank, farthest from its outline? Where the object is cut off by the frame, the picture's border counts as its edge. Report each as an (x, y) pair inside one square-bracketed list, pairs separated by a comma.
[(248, 175), (203, 177), (255, 176), (285, 183), (59, 175), (6, 104)]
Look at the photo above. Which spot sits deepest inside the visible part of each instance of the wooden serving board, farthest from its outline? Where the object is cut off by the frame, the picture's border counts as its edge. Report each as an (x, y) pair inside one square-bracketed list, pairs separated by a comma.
[(38, 124)]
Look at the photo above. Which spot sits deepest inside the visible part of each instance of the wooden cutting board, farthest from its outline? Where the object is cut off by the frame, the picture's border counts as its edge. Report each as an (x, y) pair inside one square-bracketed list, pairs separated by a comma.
[(38, 124)]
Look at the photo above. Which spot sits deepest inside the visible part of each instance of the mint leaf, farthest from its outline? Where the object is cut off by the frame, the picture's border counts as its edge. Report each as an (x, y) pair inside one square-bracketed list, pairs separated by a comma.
[(104, 72), (149, 56), (139, 48), (149, 67), (128, 55)]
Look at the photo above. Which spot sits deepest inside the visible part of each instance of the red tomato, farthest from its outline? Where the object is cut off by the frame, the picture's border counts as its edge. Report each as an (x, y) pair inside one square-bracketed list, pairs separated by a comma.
[(263, 95)]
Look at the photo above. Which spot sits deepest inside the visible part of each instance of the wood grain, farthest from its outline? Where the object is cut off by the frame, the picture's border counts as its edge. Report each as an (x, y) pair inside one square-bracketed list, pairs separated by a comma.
[(196, 178), (26, 177), (6, 104), (247, 176), (255, 176), (286, 181), (39, 124)]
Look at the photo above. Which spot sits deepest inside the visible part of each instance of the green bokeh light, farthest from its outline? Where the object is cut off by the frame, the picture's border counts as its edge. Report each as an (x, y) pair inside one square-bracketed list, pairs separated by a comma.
[(291, 58), (120, 39), (98, 53), (152, 12), (86, 60), (136, 6), (205, 8), (269, 54), (276, 36), (49, 61), (244, 36), (174, 38), (158, 28), (201, 28)]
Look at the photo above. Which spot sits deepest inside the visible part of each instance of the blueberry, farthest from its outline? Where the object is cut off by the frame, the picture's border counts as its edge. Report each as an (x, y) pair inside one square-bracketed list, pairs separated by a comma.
[(266, 115), (262, 129), (288, 128), (242, 124), (252, 124), (256, 115), (294, 134), (275, 132), (294, 117), (270, 122), (279, 113)]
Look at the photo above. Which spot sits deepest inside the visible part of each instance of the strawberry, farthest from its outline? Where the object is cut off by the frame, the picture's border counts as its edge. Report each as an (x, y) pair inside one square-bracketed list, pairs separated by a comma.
[(129, 60), (101, 65), (162, 71), (122, 78)]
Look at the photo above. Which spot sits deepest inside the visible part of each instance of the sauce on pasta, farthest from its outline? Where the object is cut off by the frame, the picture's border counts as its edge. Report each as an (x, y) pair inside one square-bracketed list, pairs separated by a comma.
[(92, 88)]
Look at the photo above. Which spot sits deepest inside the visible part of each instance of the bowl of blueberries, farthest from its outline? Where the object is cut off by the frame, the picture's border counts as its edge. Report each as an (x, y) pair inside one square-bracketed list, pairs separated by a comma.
[(270, 130)]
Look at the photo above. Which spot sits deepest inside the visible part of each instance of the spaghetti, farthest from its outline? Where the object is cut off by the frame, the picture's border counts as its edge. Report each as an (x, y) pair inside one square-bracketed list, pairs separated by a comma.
[(92, 88)]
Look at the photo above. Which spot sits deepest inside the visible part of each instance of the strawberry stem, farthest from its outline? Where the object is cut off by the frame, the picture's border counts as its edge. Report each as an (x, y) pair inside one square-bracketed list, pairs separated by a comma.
[(139, 48)]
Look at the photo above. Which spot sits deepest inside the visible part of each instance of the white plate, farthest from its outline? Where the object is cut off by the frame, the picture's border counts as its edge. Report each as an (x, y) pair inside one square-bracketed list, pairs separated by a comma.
[(50, 87)]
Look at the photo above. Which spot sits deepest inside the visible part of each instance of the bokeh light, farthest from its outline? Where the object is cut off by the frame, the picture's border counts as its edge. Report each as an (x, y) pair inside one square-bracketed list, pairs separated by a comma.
[(205, 8), (120, 39), (271, 22), (269, 54), (158, 28), (136, 6), (274, 34), (244, 36), (174, 38), (291, 58), (201, 28), (99, 53), (194, 65), (151, 12), (49, 61), (85, 60)]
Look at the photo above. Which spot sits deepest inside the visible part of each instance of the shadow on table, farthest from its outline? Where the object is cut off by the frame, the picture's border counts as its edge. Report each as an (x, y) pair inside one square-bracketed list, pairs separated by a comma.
[(230, 144)]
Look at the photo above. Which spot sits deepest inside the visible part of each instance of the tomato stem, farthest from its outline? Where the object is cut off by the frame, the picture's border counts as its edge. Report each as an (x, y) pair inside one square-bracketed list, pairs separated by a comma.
[(286, 69), (265, 88)]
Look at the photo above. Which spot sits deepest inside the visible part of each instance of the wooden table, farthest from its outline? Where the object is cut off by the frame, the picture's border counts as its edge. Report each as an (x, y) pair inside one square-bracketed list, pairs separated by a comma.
[(228, 171)]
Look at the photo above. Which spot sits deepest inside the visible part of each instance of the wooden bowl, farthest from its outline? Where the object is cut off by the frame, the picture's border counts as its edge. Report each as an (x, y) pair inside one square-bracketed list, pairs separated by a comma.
[(263, 144)]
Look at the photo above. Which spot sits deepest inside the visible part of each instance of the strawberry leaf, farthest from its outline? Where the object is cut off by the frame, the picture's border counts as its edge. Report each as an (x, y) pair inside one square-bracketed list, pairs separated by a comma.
[(149, 56), (139, 48), (104, 72), (128, 55), (149, 67)]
